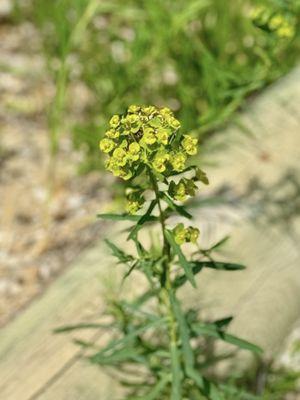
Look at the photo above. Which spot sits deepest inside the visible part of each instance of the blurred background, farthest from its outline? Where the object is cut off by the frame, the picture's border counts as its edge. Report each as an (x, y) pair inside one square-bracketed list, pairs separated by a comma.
[(67, 65)]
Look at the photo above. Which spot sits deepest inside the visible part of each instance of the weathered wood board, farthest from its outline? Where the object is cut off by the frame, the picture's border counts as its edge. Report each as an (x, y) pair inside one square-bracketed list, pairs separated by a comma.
[(265, 299)]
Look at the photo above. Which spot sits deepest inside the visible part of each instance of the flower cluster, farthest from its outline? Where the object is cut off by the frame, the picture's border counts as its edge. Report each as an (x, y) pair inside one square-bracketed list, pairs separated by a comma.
[(146, 136), (135, 201), (181, 190), (185, 235), (282, 24)]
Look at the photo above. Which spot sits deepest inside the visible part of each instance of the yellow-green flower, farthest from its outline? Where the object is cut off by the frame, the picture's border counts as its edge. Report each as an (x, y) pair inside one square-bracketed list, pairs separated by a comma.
[(190, 187), (135, 201), (162, 136), (112, 134), (183, 235), (192, 234), (190, 145), (166, 112), (134, 148), (149, 110), (178, 161), (178, 191), (114, 121), (201, 176), (179, 234), (134, 109), (256, 12), (159, 161), (113, 166), (125, 174), (155, 122), (149, 136), (132, 207), (276, 21), (174, 123), (106, 145), (133, 151), (123, 144), (286, 31), (120, 156), (133, 121)]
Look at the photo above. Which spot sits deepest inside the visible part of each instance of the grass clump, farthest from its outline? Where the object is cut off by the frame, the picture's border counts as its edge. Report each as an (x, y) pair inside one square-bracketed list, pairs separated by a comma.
[(199, 57)]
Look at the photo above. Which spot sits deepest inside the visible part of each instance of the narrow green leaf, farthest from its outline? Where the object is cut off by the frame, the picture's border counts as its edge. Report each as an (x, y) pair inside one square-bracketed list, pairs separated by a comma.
[(139, 247), (197, 266), (179, 209), (119, 253), (119, 217), (126, 275), (224, 266), (223, 323), (181, 280), (135, 308), (206, 387), (123, 354), (155, 392), (213, 331), (201, 176), (220, 243), (184, 331), (237, 393), (126, 340), (183, 261), (143, 219), (70, 328)]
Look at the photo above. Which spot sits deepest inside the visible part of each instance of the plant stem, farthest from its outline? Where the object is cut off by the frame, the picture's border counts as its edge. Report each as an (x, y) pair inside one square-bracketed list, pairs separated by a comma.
[(166, 282)]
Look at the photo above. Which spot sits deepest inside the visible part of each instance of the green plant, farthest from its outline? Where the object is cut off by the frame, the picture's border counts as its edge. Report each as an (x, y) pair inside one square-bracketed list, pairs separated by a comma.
[(158, 345)]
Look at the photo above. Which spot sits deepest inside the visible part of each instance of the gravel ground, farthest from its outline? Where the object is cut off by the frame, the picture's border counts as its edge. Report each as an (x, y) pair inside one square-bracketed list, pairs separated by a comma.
[(41, 229)]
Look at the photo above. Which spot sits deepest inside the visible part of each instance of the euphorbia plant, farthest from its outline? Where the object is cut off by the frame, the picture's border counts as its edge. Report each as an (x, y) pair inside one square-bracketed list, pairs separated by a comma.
[(158, 345)]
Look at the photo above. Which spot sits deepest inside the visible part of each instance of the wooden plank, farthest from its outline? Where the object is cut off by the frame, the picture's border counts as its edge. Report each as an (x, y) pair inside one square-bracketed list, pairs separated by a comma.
[(34, 364), (30, 354)]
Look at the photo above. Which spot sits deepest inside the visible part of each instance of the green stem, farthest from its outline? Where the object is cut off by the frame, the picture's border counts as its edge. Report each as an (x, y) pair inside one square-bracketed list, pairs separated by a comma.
[(166, 282)]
